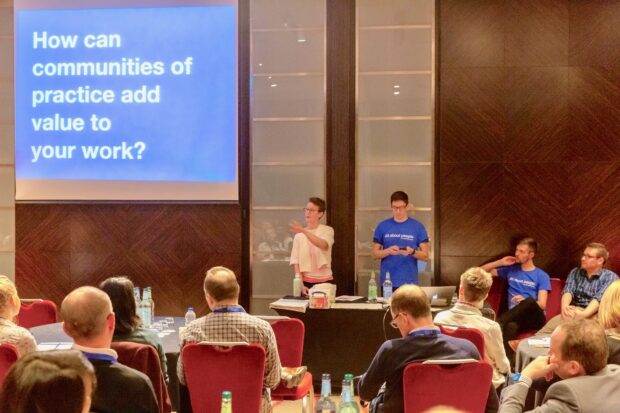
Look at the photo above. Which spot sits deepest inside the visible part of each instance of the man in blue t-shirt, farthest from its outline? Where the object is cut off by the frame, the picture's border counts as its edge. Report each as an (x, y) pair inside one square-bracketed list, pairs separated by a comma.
[(399, 242), (528, 289)]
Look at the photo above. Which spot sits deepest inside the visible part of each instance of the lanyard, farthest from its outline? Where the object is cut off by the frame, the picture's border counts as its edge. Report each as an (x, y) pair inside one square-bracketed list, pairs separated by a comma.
[(98, 356), (424, 333), (232, 309)]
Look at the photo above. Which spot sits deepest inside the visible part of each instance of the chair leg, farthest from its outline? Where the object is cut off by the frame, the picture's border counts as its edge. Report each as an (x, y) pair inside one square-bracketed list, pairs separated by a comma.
[(307, 402)]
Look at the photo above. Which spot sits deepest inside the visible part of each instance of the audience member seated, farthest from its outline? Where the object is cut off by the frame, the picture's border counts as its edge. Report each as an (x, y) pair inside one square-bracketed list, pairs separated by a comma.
[(89, 321), (382, 384), (473, 290), (584, 287), (11, 333), (528, 289), (49, 382), (228, 321), (609, 318), (578, 356), (128, 325)]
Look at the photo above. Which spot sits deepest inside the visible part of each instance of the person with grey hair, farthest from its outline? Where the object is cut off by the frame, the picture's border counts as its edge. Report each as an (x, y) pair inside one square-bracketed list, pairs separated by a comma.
[(89, 321), (473, 290)]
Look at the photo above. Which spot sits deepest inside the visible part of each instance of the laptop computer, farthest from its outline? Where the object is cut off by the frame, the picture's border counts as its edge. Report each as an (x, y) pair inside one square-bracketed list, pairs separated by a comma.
[(440, 296)]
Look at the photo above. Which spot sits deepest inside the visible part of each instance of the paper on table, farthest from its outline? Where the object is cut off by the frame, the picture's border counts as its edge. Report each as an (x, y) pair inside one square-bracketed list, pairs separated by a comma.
[(54, 346), (348, 297), (299, 306), (543, 342), (358, 306)]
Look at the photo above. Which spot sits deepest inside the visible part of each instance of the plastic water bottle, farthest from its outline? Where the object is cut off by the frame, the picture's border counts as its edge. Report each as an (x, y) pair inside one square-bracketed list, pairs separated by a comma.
[(325, 403), (147, 306), (372, 288), (190, 316), (136, 296), (226, 402), (387, 287), (297, 285), (347, 403)]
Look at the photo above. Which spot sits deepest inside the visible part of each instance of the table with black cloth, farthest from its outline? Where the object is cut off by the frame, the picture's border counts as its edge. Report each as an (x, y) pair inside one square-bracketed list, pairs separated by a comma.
[(343, 340), (53, 333)]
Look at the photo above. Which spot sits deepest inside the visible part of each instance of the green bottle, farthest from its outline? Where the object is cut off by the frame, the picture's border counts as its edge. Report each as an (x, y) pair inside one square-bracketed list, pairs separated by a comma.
[(226, 402), (347, 403)]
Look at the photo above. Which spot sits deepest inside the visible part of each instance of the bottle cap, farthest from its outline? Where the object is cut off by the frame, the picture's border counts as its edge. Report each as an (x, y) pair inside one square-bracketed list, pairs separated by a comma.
[(190, 308), (372, 275), (348, 376), (226, 395)]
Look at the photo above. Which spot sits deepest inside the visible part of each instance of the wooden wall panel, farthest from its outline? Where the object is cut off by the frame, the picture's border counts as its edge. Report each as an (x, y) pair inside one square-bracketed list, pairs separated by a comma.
[(63, 246), (528, 130)]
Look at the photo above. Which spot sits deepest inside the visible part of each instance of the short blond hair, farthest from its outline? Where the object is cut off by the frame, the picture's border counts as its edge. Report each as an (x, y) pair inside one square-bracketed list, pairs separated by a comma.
[(601, 250), (476, 283), (85, 311), (609, 309), (7, 291), (412, 300), (221, 284)]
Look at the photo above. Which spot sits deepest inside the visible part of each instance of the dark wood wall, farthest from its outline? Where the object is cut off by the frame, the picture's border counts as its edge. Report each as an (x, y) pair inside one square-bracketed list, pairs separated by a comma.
[(63, 246), (528, 133)]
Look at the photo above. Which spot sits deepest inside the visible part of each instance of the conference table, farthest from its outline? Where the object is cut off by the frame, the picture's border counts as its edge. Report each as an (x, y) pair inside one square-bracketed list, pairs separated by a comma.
[(52, 336), (344, 339)]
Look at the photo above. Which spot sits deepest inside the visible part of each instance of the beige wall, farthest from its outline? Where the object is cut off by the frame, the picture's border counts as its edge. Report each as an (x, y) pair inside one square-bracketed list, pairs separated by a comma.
[(7, 160)]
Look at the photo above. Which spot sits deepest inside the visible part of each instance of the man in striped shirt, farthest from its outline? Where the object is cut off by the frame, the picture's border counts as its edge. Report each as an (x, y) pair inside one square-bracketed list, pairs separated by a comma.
[(584, 287)]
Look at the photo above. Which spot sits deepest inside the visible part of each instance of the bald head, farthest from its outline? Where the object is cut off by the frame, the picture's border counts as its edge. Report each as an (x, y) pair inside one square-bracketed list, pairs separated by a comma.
[(85, 312), (221, 284), (411, 299)]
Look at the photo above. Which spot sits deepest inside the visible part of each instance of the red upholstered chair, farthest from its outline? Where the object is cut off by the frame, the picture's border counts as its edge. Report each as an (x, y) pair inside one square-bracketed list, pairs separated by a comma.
[(471, 334), (36, 313), (498, 295), (554, 305), (290, 341), (8, 356), (144, 358), (211, 369), (464, 386)]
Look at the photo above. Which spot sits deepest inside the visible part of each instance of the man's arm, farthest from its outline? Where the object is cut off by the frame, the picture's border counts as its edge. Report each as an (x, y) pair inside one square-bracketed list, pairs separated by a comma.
[(542, 299), (371, 381), (378, 252), (589, 311), (568, 311), (422, 253), (496, 351), (492, 266), (273, 368)]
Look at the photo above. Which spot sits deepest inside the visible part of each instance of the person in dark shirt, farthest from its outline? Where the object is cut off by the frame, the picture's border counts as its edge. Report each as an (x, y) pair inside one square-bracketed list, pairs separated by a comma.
[(89, 321), (421, 340)]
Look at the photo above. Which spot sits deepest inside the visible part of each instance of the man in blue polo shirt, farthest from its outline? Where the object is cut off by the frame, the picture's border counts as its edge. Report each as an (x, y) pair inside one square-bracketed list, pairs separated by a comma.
[(399, 242), (528, 289)]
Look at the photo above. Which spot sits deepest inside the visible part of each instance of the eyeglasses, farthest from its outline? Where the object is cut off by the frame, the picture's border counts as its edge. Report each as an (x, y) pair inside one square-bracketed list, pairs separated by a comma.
[(589, 256), (311, 210), (399, 208), (393, 322)]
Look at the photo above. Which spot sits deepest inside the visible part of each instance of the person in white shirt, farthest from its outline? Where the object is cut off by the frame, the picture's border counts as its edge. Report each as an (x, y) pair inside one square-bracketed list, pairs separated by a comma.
[(473, 290), (311, 256)]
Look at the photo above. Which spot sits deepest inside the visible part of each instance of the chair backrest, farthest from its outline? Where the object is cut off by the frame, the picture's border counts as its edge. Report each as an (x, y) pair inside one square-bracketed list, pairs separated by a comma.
[(471, 334), (554, 300), (210, 370), (8, 356), (37, 313), (290, 341), (498, 295), (462, 386), (144, 358)]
